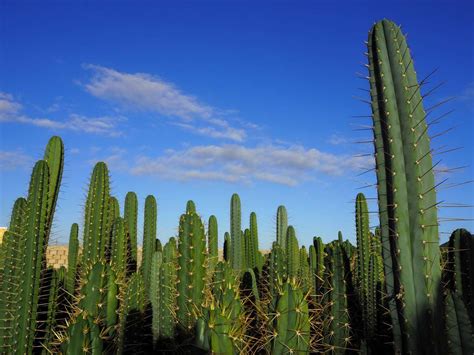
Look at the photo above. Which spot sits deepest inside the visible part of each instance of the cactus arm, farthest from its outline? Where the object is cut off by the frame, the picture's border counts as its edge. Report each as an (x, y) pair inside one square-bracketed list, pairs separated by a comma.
[(238, 256), (72, 258), (281, 225), (149, 238), (130, 217)]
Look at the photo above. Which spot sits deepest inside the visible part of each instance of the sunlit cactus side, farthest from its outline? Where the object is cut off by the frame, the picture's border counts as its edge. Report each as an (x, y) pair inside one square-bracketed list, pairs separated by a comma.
[(10, 272), (459, 271), (292, 254), (213, 244), (31, 260), (336, 320), (83, 336), (406, 188), (130, 216), (227, 247), (113, 212), (190, 207), (291, 322), (317, 265), (191, 270), (72, 259), (168, 293), (54, 156), (459, 330), (95, 223), (238, 248), (278, 268), (222, 329), (281, 226), (149, 238)]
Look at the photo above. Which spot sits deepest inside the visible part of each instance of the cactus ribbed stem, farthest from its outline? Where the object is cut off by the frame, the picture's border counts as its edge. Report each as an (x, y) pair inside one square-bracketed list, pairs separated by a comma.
[(72, 258), (149, 238), (130, 216), (238, 256)]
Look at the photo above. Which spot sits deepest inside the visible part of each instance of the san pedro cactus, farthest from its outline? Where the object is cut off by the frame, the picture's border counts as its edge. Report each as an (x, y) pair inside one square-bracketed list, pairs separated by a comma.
[(406, 190), (316, 256), (72, 258), (459, 271), (281, 226), (291, 322), (238, 249), (191, 271), (304, 272), (227, 247), (252, 249), (95, 224), (130, 216), (10, 272), (149, 238), (459, 331), (292, 253), (119, 257), (167, 298), (213, 243), (154, 292)]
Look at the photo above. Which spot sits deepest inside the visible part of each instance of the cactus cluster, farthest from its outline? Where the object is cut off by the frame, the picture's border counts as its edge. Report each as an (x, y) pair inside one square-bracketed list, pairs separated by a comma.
[(390, 293)]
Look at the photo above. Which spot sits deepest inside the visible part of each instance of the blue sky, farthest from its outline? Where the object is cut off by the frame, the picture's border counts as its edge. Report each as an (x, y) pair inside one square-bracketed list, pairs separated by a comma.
[(197, 100)]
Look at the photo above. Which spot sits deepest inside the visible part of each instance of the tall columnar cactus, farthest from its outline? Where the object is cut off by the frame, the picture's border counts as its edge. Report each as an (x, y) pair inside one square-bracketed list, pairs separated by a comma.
[(130, 216), (149, 238), (406, 189), (238, 257), (252, 251), (317, 265), (113, 212), (336, 323), (54, 156), (460, 268), (292, 253), (278, 271), (83, 337), (72, 258), (154, 292), (227, 247), (13, 239), (281, 226), (119, 257), (213, 244), (291, 322), (459, 330), (304, 272), (167, 298), (191, 271), (31, 259), (95, 224)]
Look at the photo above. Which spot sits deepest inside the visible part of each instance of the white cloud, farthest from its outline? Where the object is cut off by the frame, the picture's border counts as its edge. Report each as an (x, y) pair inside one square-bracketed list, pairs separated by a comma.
[(336, 139), (11, 160), (10, 111), (237, 163), (144, 92)]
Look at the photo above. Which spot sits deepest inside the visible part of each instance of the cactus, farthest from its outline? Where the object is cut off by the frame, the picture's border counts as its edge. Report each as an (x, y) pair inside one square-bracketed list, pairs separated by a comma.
[(130, 217), (113, 212), (252, 249), (336, 323), (191, 271), (304, 272), (10, 271), (459, 331), (317, 264), (149, 239), (83, 337), (238, 249), (120, 251), (459, 272), (168, 278), (154, 293), (212, 236), (406, 189), (277, 269), (291, 324), (281, 225), (292, 253), (72, 258), (95, 224), (227, 247)]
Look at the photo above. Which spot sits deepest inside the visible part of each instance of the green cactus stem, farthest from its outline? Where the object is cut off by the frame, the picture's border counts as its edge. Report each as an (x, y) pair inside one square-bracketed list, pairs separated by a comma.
[(281, 226), (72, 258), (292, 254), (149, 238), (238, 247), (130, 216)]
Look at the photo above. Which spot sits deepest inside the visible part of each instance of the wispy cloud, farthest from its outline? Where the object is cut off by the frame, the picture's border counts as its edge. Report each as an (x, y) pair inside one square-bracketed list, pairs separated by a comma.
[(11, 111), (144, 92), (236, 163), (337, 139), (467, 95), (11, 160)]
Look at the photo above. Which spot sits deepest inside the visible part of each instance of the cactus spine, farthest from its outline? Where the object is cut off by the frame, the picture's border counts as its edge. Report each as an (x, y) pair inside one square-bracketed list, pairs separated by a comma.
[(252, 250), (406, 189), (213, 243), (292, 254)]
